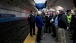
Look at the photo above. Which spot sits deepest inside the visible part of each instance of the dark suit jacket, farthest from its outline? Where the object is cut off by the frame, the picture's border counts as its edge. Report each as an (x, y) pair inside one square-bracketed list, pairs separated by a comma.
[(62, 21), (47, 19), (31, 18)]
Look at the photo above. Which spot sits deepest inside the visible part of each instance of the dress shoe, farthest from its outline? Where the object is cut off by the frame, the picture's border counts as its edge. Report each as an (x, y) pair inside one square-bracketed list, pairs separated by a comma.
[(56, 40), (31, 36), (43, 36), (71, 39), (40, 39), (34, 34)]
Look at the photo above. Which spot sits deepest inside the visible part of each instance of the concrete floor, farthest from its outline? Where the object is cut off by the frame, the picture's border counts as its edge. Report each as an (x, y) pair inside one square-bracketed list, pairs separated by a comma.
[(49, 39)]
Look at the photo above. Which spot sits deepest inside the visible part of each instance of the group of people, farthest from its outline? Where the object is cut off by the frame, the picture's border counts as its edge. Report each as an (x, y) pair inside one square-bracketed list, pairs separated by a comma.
[(54, 23)]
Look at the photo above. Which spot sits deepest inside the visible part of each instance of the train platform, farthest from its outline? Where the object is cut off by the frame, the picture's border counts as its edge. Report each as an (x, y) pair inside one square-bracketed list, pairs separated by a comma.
[(47, 39)]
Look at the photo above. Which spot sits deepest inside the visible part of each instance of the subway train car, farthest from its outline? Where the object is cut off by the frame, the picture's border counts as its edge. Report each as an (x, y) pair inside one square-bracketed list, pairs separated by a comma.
[(14, 25)]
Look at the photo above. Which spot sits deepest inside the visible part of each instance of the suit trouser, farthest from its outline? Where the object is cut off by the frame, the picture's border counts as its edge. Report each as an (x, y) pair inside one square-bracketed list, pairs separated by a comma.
[(56, 28), (32, 28), (39, 34), (68, 26), (61, 35), (74, 36), (48, 27), (43, 29)]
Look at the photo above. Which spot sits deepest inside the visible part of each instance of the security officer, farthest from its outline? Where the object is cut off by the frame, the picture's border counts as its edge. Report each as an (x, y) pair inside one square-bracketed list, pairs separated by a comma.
[(31, 20), (69, 16)]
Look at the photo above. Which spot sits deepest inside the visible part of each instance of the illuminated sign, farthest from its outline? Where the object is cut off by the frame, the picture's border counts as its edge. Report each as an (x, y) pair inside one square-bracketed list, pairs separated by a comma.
[(6, 15)]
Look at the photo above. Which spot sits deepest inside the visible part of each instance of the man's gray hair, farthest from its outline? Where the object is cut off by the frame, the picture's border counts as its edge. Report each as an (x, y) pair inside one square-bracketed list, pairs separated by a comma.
[(44, 9)]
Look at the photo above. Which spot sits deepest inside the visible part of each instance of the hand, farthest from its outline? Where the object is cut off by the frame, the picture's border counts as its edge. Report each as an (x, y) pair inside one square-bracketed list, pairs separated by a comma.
[(50, 22)]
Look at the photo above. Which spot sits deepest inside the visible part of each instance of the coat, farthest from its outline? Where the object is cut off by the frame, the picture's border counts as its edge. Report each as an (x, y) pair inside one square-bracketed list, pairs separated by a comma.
[(39, 22), (62, 21), (31, 18)]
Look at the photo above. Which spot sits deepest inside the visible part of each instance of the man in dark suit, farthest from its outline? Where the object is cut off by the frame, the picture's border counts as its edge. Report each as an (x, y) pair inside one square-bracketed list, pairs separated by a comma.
[(62, 20), (31, 20), (48, 17), (73, 24), (44, 12)]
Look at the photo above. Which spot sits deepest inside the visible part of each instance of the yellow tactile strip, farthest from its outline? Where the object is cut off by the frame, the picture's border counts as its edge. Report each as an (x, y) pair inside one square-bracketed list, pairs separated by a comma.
[(30, 39)]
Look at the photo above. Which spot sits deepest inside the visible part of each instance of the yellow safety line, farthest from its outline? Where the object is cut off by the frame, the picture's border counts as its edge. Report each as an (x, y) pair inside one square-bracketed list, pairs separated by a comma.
[(30, 39)]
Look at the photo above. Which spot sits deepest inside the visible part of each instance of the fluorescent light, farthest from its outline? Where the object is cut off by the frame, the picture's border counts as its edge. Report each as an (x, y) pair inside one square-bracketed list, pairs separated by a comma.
[(39, 1), (52, 9), (59, 8)]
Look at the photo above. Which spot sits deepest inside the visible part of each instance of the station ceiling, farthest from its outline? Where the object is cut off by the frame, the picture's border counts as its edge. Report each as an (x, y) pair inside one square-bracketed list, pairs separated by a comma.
[(24, 4), (30, 4), (66, 4)]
